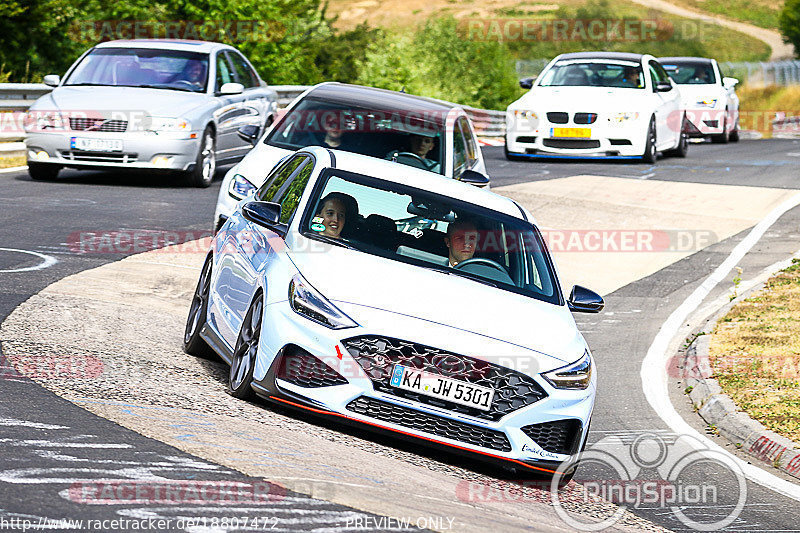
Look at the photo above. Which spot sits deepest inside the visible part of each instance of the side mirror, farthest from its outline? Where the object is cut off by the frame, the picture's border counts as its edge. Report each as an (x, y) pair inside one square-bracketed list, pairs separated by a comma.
[(231, 88), (663, 87), (583, 300), (474, 178), (265, 214), (52, 80), (249, 133), (729, 83), (526, 83)]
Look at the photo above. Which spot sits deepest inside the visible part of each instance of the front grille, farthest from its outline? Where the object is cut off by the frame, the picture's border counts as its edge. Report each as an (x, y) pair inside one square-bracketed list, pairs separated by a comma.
[(97, 124), (571, 143), (711, 123), (558, 117), (99, 157), (378, 355), (431, 424), (300, 368), (526, 139), (560, 436), (585, 118)]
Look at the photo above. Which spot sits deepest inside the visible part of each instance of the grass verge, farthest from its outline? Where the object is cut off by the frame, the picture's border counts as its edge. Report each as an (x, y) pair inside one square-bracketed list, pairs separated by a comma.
[(758, 106), (762, 13), (755, 353), (12, 161)]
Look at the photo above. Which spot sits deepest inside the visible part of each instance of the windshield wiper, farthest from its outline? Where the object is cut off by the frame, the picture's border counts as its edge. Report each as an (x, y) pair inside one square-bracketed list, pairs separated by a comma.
[(455, 272), (331, 240), (87, 84), (159, 86)]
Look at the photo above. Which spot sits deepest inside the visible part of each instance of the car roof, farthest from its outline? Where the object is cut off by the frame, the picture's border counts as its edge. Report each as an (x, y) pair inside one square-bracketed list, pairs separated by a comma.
[(166, 44), (697, 60), (373, 98), (420, 179), (625, 56)]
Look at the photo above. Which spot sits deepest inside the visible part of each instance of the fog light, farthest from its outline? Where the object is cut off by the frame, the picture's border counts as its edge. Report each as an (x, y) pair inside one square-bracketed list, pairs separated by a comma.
[(41, 155), (161, 161)]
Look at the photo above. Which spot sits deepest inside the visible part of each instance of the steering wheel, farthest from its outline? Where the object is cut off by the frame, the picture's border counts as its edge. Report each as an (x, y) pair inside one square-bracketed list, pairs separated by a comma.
[(482, 261), (187, 83), (424, 164)]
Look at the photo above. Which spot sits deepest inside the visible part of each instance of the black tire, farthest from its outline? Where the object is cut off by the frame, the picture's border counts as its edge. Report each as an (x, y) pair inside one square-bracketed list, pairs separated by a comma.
[(734, 138), (206, 163), (43, 171), (650, 152), (683, 144), (725, 136), (244, 356), (193, 344)]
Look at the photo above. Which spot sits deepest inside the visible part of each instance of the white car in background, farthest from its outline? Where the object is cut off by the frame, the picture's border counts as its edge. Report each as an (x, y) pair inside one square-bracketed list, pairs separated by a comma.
[(712, 106), (598, 104)]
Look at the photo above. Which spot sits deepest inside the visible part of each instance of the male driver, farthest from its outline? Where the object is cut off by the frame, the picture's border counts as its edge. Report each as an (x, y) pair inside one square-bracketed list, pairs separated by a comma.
[(462, 236)]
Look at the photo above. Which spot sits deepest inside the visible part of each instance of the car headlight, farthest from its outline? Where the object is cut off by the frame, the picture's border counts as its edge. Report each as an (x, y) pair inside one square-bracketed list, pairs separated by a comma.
[(43, 120), (307, 301), (621, 118), (576, 375), (240, 187), (169, 124), (708, 102)]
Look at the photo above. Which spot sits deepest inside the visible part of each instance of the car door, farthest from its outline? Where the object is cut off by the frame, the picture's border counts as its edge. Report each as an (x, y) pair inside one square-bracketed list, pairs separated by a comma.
[(229, 109), (255, 102), (667, 107), (243, 249)]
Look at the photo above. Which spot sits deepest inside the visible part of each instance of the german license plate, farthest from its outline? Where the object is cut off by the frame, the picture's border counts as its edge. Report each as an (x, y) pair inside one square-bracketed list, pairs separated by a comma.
[(452, 390), (574, 133), (96, 145)]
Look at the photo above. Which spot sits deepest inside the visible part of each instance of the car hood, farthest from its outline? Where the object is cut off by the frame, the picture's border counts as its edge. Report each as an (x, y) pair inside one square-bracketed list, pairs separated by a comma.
[(260, 161), (105, 100), (440, 310), (584, 99)]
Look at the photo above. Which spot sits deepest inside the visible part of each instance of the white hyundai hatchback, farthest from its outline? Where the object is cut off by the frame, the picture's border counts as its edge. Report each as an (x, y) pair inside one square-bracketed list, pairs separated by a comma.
[(376, 293), (598, 104)]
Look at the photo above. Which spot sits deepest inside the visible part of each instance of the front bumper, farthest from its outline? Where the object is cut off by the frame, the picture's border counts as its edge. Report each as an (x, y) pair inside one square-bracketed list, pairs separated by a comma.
[(140, 150), (704, 121), (539, 436), (624, 141)]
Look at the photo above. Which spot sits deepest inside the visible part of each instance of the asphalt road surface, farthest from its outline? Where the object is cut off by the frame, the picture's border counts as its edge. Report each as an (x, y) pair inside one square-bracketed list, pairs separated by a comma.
[(48, 442)]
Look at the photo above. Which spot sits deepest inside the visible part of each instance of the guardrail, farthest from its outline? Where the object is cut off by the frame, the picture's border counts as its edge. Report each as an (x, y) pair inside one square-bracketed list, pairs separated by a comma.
[(17, 97)]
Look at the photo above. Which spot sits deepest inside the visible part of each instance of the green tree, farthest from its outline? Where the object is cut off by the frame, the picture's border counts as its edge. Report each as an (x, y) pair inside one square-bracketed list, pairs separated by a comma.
[(789, 24)]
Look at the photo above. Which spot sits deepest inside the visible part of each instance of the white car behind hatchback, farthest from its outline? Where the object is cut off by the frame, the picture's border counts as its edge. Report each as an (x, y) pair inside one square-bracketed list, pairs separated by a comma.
[(598, 104)]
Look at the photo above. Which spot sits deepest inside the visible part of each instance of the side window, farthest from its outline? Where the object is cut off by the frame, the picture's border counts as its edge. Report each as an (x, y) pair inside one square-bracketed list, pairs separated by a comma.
[(459, 152), (472, 150), (242, 70), (290, 197), (658, 71), (277, 178), (223, 72)]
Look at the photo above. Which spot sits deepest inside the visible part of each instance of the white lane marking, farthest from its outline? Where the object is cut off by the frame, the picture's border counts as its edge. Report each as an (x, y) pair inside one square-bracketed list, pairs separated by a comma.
[(25, 423), (654, 366), (793, 154), (48, 444), (12, 169), (47, 261), (647, 176)]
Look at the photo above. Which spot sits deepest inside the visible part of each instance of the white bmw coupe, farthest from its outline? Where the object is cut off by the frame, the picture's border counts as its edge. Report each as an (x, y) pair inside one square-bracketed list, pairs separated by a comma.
[(598, 104), (391, 297)]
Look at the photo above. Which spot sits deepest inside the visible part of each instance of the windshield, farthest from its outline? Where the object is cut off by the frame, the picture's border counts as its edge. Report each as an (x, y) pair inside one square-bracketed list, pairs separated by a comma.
[(594, 74), (691, 73), (427, 230), (142, 67), (411, 138)]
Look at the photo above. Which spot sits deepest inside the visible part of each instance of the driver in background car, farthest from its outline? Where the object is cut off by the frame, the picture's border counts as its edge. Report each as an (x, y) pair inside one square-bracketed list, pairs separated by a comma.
[(630, 77), (461, 239), (420, 146)]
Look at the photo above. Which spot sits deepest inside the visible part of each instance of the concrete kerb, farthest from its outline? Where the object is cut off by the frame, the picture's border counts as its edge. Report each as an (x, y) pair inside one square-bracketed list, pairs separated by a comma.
[(720, 412)]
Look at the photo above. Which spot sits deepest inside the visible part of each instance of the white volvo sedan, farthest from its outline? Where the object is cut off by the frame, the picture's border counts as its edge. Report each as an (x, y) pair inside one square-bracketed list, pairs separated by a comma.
[(384, 295), (712, 106), (598, 104)]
